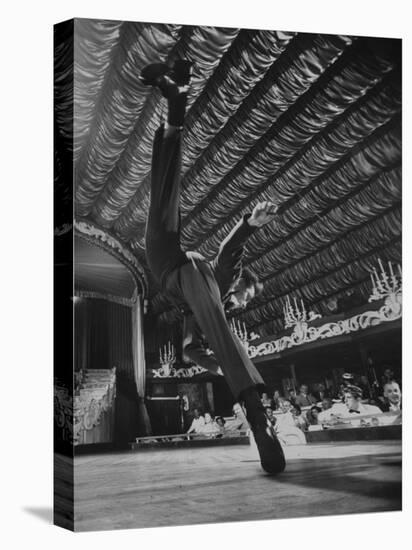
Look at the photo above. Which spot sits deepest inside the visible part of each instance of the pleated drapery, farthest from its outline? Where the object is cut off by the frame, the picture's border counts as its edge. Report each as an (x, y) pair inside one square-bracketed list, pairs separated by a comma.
[(309, 121)]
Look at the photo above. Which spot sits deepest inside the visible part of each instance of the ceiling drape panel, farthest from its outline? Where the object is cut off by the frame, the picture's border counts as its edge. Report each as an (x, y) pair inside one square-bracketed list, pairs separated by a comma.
[(133, 166), (95, 43), (311, 122)]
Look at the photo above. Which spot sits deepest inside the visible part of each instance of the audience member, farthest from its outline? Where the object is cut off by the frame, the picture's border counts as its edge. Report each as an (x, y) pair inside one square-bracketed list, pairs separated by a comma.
[(276, 400), (291, 395), (388, 376), (220, 421), (239, 421), (197, 423), (355, 407), (312, 415), (270, 415), (331, 411), (321, 393), (300, 420), (266, 401), (347, 379), (304, 399), (392, 397), (210, 427), (286, 426)]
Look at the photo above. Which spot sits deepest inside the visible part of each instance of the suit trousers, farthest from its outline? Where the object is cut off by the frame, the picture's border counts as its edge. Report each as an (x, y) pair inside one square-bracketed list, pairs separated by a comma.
[(195, 283)]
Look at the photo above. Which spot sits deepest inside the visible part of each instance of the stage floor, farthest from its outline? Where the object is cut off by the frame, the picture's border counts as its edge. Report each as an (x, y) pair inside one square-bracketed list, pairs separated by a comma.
[(207, 485)]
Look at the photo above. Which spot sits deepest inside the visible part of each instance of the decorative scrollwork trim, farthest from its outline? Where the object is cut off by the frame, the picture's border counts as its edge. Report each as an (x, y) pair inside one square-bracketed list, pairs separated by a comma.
[(108, 297), (99, 237), (302, 333)]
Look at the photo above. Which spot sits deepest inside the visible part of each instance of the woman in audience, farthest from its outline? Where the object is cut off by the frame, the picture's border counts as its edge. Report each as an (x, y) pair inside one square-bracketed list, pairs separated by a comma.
[(210, 428), (286, 427), (299, 419)]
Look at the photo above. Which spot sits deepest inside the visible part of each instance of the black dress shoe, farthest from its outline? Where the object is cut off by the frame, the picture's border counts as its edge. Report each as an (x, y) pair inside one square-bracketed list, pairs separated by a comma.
[(151, 73), (159, 75), (167, 79), (271, 453), (181, 72)]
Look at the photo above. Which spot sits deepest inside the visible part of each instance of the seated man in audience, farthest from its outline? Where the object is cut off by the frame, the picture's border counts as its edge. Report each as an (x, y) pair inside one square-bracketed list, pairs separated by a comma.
[(355, 407), (291, 395), (392, 396), (388, 376), (320, 393), (305, 399), (239, 421), (197, 423)]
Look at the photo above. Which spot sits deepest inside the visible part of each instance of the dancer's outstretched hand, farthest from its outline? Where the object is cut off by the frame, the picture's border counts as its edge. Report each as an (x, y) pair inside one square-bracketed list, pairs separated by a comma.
[(263, 213)]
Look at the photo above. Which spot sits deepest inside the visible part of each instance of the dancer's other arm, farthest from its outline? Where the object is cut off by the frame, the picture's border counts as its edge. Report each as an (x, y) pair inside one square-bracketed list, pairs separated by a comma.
[(228, 263)]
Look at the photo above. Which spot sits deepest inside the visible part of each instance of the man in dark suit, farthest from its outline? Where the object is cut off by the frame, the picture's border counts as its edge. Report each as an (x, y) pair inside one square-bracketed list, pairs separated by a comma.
[(191, 282), (392, 397)]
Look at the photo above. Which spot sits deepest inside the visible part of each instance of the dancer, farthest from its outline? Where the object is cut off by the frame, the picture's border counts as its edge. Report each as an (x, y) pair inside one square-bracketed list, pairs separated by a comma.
[(186, 277)]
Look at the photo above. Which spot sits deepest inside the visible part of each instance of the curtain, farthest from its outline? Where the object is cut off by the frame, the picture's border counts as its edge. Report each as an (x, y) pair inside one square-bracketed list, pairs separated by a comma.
[(103, 340), (139, 364)]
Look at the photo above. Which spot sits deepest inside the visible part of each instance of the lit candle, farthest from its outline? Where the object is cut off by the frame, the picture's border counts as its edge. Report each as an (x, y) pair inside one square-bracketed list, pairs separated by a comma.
[(296, 305), (244, 330), (391, 270), (400, 271), (378, 281), (381, 265)]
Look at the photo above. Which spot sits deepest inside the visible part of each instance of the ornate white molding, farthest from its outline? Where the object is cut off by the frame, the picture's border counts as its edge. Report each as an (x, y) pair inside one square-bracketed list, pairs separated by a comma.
[(100, 237), (108, 297), (168, 371), (302, 333)]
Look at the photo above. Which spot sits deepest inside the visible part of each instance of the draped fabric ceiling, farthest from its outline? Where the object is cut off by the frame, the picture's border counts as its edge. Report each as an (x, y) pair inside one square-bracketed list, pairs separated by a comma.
[(311, 122)]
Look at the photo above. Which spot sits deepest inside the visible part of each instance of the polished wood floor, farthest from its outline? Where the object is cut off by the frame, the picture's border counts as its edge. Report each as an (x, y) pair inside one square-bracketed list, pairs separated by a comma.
[(181, 486)]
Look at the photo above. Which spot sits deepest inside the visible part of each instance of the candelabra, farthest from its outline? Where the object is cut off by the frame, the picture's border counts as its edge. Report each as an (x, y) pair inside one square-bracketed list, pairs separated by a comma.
[(167, 356), (385, 284), (240, 331), (294, 314)]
